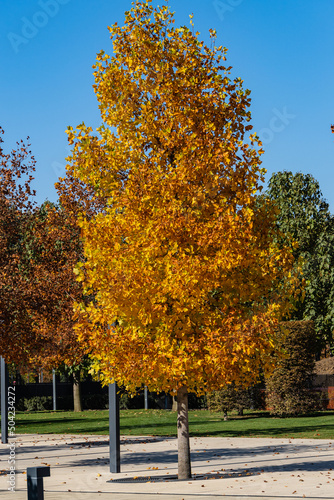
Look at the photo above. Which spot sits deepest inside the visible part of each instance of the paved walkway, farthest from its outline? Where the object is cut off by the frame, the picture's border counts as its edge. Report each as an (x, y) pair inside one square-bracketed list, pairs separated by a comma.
[(223, 468)]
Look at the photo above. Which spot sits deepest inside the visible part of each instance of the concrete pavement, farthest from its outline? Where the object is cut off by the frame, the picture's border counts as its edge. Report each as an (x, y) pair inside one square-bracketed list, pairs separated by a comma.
[(223, 468)]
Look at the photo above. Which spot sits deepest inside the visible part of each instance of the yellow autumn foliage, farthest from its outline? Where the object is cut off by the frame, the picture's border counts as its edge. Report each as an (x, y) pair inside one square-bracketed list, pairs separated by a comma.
[(182, 264)]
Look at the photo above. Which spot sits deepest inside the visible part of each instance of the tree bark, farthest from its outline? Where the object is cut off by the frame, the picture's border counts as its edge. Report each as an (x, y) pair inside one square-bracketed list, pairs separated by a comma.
[(184, 466), (174, 406), (77, 391)]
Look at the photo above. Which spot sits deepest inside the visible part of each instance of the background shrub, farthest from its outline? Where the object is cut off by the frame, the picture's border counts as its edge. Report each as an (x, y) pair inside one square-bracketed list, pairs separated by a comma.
[(38, 403), (236, 398)]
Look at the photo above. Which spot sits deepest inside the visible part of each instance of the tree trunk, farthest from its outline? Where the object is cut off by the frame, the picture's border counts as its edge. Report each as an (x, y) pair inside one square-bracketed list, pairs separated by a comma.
[(174, 406), (77, 391), (184, 467)]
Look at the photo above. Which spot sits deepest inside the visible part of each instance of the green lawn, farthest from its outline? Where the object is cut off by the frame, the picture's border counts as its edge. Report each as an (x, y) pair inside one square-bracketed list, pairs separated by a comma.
[(162, 422)]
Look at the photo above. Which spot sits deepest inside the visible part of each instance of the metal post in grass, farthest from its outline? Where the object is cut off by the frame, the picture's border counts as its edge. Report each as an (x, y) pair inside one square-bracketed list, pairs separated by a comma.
[(54, 390), (114, 430), (146, 397), (35, 482), (4, 400)]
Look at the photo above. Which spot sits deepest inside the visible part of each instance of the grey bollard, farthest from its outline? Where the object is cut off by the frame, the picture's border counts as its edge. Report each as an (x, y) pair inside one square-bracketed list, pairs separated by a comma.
[(35, 482)]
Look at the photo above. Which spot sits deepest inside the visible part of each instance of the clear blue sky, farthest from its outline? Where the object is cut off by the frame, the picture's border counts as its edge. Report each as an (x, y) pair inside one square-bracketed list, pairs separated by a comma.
[(283, 50)]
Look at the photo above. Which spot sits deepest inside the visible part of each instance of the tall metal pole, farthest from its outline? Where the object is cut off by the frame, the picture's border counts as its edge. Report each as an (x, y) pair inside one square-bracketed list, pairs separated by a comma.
[(4, 400), (54, 390), (114, 429), (146, 397)]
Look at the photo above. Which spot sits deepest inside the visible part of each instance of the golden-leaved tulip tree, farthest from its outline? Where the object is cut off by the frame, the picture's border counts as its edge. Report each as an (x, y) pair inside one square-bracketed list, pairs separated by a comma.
[(185, 278)]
